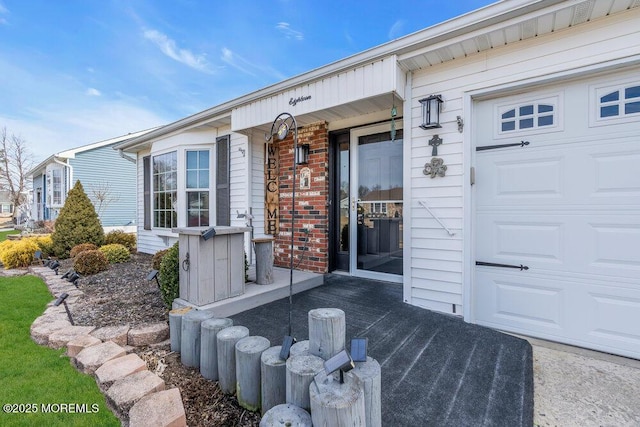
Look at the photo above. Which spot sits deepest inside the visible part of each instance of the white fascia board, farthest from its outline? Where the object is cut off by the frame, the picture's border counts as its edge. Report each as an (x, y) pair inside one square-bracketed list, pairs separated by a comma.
[(70, 154)]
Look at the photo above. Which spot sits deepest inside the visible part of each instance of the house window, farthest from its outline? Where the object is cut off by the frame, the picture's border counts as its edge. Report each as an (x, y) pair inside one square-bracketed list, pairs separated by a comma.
[(620, 102), (527, 116), (197, 188), (56, 178), (165, 190), (146, 184), (379, 207)]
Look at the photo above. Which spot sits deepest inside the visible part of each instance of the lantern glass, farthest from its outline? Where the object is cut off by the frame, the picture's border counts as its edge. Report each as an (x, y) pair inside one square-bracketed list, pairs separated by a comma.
[(431, 112), (302, 154)]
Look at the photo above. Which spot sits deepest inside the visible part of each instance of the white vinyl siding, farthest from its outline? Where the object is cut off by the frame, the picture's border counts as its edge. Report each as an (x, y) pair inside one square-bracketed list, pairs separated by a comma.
[(435, 282)]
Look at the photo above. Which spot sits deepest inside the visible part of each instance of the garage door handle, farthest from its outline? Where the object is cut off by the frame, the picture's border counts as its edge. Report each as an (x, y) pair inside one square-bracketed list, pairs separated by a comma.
[(492, 264), (493, 147)]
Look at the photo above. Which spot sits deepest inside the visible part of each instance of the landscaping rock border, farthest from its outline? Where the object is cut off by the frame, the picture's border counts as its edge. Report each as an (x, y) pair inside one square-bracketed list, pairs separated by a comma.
[(130, 388)]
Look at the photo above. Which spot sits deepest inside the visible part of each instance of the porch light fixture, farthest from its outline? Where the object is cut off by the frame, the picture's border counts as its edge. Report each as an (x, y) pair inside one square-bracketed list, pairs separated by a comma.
[(431, 107), (208, 233), (61, 300), (280, 128), (302, 154)]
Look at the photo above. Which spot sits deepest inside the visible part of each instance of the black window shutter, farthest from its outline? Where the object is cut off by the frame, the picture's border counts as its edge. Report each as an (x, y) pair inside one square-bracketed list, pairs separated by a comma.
[(223, 196), (146, 179)]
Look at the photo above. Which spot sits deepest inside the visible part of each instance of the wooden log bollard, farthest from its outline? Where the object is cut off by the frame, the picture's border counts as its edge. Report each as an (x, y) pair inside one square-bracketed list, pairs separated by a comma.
[(264, 259), (300, 373), (370, 374), (335, 404), (226, 342), (286, 415), (300, 348), (190, 339), (209, 346), (327, 331), (175, 327), (273, 378), (248, 382)]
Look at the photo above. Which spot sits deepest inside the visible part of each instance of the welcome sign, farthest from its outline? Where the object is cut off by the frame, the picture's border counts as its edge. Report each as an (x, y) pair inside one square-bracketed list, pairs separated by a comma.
[(272, 195)]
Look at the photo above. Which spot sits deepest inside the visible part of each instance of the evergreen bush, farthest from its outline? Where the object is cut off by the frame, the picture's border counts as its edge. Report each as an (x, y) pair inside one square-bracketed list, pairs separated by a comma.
[(77, 223), (169, 275), (81, 248), (115, 252), (128, 240), (90, 262)]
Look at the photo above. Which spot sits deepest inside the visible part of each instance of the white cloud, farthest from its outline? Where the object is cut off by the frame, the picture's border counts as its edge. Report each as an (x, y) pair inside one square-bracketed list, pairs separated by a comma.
[(248, 67), (93, 92), (169, 48), (289, 32), (3, 11), (396, 30)]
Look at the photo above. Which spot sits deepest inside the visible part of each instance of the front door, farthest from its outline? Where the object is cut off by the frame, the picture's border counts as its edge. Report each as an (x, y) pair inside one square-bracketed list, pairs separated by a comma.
[(376, 203)]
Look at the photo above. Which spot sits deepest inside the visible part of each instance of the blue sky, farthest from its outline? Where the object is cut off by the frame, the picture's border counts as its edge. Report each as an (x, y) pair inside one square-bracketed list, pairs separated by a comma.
[(74, 72)]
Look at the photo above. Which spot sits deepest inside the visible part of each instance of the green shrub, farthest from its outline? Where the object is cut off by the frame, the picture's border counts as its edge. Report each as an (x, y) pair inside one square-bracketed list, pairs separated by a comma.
[(81, 248), (115, 252), (77, 223), (157, 259), (18, 253), (128, 240), (90, 262), (169, 275)]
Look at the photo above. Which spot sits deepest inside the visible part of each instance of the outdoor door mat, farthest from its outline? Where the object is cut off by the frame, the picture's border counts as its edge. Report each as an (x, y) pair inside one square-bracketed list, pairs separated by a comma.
[(436, 369)]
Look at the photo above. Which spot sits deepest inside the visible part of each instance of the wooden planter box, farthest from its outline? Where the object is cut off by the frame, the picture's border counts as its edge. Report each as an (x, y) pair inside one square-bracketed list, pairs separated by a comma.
[(211, 270)]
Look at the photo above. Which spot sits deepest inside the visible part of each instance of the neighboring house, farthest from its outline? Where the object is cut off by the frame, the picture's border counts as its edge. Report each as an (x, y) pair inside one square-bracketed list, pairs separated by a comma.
[(108, 178), (6, 205), (538, 132)]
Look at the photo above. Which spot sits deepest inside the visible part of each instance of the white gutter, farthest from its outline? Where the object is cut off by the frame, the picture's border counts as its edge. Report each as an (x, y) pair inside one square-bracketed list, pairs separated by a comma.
[(124, 156)]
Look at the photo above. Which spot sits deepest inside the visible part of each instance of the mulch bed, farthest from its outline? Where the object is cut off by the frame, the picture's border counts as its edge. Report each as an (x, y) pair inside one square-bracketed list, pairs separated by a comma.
[(122, 295)]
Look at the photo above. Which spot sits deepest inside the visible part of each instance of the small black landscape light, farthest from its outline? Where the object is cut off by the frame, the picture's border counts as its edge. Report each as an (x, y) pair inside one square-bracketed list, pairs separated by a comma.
[(67, 274), (153, 274), (431, 107), (342, 362), (54, 265), (61, 300), (73, 278), (208, 233), (359, 349), (47, 262), (287, 342)]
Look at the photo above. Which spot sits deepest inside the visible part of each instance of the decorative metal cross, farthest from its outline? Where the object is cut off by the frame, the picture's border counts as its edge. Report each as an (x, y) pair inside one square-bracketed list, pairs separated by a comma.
[(434, 142), (435, 168)]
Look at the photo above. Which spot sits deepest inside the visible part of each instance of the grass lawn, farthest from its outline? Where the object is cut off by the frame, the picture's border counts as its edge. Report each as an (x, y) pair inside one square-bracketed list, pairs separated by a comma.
[(39, 378), (3, 234)]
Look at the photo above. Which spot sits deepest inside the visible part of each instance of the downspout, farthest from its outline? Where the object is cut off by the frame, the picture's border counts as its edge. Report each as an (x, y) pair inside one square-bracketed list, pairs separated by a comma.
[(124, 156)]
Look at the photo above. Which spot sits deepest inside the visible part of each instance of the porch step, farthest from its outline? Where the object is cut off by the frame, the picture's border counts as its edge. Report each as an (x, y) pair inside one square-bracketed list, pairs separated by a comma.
[(257, 295)]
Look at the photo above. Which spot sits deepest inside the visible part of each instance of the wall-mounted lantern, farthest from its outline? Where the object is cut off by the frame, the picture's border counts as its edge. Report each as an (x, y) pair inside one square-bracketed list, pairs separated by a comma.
[(431, 107), (302, 154)]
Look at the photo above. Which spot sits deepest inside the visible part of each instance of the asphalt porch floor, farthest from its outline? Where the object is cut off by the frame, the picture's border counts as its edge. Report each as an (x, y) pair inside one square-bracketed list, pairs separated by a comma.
[(436, 369)]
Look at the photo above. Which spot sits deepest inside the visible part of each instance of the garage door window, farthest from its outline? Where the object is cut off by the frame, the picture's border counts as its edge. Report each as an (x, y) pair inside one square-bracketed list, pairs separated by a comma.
[(620, 102), (527, 116)]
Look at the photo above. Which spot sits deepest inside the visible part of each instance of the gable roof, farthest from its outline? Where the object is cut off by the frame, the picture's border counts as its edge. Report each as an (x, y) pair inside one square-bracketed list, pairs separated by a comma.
[(71, 153)]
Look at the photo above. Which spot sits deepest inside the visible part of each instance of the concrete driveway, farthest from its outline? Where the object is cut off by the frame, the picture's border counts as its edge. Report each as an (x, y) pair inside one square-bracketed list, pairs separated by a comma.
[(578, 387)]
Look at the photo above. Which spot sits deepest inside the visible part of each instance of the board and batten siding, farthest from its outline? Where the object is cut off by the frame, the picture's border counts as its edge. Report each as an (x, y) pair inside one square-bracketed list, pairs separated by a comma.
[(438, 265), (365, 81), (102, 170)]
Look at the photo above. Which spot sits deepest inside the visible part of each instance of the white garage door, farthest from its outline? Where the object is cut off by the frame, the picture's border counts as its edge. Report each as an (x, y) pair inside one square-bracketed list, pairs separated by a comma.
[(557, 224)]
